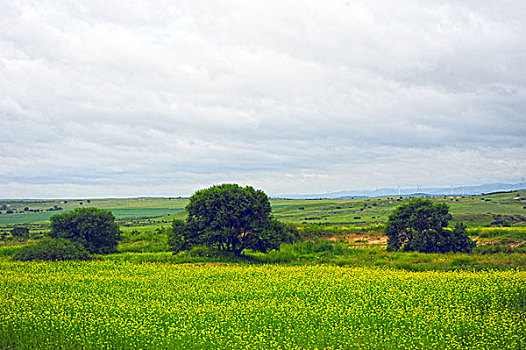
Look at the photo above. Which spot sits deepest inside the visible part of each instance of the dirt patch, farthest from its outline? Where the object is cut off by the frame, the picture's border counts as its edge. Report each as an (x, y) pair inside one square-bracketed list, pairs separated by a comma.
[(358, 239)]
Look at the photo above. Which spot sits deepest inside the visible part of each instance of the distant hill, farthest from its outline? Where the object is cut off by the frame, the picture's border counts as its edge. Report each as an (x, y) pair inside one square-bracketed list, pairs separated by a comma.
[(421, 191)]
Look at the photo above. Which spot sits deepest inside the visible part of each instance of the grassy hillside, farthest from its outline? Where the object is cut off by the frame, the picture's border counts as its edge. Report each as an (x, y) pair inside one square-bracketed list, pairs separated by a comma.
[(483, 210), (498, 209), (351, 222), (345, 231)]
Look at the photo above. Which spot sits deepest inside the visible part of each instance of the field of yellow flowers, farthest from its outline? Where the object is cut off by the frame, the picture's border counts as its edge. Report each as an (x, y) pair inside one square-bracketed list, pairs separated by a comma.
[(115, 304)]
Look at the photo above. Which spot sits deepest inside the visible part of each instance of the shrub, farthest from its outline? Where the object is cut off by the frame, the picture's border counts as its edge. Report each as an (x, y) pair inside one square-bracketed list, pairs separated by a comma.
[(20, 232), (94, 228), (52, 249), (419, 225)]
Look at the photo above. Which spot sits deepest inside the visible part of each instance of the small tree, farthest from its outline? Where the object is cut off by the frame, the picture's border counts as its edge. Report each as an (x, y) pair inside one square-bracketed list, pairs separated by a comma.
[(230, 218), (421, 225), (94, 228), (20, 232)]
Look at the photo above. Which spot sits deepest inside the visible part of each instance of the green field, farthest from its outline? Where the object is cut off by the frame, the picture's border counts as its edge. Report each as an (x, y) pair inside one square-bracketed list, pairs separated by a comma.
[(509, 208), (116, 304), (495, 220), (119, 213), (337, 289), (473, 210)]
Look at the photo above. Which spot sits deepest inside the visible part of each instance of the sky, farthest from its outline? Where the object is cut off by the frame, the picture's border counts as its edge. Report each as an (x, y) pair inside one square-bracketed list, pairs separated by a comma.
[(165, 97)]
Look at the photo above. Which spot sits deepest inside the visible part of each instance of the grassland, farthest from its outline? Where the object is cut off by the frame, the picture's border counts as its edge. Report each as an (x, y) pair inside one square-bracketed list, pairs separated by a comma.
[(42, 210), (338, 289), (473, 210), (497, 221), (116, 304)]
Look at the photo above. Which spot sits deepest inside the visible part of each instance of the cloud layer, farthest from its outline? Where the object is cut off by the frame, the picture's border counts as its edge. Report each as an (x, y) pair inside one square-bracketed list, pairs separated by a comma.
[(165, 97)]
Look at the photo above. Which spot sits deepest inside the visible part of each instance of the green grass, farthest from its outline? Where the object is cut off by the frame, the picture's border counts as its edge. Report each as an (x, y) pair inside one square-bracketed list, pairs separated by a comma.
[(147, 240), (151, 246), (11, 219), (341, 255), (473, 210), (121, 208), (121, 213)]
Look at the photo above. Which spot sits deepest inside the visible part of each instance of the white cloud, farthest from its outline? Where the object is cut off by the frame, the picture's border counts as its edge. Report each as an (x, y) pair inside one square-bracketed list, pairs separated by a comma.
[(162, 97)]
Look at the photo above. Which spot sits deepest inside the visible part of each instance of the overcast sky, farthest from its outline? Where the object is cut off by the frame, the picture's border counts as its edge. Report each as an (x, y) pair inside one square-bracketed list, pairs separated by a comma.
[(163, 97)]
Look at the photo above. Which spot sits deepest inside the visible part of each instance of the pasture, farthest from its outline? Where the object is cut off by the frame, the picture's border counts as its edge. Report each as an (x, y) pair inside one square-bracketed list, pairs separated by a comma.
[(353, 226), (508, 208)]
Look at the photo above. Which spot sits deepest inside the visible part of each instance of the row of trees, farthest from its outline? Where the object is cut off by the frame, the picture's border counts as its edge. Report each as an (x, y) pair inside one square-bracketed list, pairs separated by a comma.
[(232, 218)]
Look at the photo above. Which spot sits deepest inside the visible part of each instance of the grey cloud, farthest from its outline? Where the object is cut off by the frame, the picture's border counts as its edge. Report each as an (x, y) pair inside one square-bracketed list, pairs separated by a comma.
[(294, 96)]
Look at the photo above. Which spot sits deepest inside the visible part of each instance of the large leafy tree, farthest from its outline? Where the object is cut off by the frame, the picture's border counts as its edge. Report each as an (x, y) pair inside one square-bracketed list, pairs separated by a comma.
[(420, 225), (94, 228), (230, 218)]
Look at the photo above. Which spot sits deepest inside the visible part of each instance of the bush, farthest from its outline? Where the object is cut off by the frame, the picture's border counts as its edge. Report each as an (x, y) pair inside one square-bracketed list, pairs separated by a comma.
[(419, 225), (52, 249), (94, 228), (20, 232)]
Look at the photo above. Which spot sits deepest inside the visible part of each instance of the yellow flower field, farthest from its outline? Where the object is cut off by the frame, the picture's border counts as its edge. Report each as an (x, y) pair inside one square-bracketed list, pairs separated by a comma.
[(113, 304)]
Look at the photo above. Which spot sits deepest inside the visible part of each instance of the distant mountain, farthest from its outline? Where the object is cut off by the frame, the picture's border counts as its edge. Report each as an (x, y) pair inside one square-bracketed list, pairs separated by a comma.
[(421, 191)]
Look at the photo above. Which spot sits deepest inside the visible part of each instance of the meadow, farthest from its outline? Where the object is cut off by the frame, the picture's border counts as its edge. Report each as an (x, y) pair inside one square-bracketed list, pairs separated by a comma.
[(337, 289), (117, 304), (353, 227), (508, 208)]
